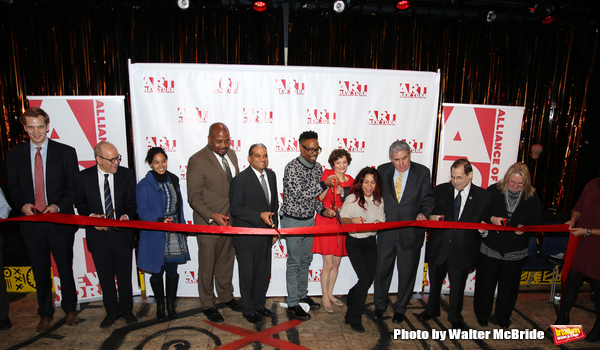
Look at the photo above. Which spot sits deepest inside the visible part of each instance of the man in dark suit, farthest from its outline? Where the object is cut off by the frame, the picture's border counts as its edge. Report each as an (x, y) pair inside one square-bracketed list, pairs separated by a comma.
[(209, 174), (454, 251), (42, 178), (407, 195), (107, 190), (253, 203)]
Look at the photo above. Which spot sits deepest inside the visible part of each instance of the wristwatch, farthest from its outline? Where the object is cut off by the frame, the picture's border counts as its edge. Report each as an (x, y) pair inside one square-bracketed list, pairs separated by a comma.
[(587, 232)]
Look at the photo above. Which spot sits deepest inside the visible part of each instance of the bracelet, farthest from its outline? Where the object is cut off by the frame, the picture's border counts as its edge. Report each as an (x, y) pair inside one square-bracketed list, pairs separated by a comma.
[(587, 232)]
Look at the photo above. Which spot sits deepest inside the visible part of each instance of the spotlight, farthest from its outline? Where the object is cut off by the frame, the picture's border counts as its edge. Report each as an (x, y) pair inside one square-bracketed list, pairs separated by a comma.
[(260, 6), (549, 15), (491, 16), (183, 4), (339, 6), (533, 9), (403, 4)]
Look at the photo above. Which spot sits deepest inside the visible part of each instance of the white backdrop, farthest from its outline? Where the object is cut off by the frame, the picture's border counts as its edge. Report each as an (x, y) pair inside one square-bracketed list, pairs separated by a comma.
[(360, 110)]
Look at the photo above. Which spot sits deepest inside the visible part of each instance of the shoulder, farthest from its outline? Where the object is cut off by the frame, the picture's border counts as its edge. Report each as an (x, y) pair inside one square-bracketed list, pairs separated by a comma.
[(89, 172), (271, 173), (417, 167), (22, 148), (384, 167), (60, 146), (200, 154), (444, 187), (173, 177)]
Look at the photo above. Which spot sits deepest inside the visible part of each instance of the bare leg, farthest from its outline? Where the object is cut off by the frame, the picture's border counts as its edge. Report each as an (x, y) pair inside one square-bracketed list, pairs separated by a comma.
[(332, 278), (325, 279)]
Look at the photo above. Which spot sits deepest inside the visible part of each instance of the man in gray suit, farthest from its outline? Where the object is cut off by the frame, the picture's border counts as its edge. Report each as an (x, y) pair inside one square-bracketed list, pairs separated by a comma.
[(209, 174), (407, 195)]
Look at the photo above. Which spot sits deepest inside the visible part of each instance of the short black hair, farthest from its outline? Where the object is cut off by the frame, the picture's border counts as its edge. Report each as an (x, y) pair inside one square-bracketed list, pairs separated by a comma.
[(153, 152), (308, 135)]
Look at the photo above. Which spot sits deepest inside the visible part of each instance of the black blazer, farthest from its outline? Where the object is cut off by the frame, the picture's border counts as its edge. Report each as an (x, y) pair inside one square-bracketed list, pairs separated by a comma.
[(61, 179), (417, 198), (459, 248), (246, 201), (89, 201)]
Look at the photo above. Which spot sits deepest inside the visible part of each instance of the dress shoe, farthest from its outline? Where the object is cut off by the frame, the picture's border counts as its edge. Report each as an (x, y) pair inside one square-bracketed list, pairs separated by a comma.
[(298, 313), (109, 320), (44, 325), (213, 315), (504, 323), (72, 319), (425, 316), (378, 314), (398, 317), (234, 305), (313, 304), (130, 319), (266, 312), (253, 318), (357, 327), (328, 309), (594, 335), (460, 325), (5, 324), (482, 321), (336, 302)]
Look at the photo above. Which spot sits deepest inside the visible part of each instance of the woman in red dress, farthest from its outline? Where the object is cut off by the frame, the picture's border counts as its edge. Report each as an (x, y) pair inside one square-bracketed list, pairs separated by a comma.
[(332, 247)]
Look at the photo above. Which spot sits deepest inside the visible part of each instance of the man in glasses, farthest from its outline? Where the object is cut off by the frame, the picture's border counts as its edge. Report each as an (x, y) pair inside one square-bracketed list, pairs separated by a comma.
[(209, 174), (107, 190), (42, 179), (301, 186), (454, 251)]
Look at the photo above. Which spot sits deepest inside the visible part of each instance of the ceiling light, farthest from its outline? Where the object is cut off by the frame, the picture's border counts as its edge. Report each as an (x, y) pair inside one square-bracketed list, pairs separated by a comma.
[(403, 4), (183, 4), (339, 6), (260, 6), (491, 16)]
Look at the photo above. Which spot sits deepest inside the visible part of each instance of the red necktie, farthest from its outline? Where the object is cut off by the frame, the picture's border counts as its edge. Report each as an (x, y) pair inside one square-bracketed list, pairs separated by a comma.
[(40, 193)]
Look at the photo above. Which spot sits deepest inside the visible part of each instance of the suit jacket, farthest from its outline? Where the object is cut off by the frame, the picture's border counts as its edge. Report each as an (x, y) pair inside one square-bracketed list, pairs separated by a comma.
[(207, 185), (416, 198), (89, 201), (61, 180), (459, 248), (247, 200)]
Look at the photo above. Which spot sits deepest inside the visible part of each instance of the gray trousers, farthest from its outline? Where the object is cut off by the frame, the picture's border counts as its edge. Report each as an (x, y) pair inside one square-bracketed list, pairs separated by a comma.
[(300, 256)]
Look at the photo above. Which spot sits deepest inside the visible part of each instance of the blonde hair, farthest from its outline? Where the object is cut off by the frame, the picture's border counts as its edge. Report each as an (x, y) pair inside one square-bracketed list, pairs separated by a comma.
[(519, 169)]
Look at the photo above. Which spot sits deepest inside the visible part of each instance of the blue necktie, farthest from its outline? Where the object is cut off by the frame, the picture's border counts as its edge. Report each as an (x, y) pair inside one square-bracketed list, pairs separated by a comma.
[(457, 201)]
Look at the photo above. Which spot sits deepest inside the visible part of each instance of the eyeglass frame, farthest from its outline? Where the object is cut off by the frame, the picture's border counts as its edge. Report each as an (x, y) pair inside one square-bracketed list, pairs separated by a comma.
[(312, 150), (118, 158)]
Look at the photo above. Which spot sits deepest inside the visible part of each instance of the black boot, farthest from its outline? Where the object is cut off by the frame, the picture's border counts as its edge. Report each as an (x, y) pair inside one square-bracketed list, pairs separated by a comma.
[(562, 318), (171, 295), (159, 294)]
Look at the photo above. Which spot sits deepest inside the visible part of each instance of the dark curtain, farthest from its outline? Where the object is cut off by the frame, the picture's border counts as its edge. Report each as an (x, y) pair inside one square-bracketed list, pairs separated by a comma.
[(552, 70)]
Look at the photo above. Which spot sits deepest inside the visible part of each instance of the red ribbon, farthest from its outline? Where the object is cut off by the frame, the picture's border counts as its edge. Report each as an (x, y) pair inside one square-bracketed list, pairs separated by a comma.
[(79, 220)]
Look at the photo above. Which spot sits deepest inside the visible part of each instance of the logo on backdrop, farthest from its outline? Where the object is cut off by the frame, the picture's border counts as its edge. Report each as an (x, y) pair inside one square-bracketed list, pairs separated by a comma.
[(415, 146), (169, 145), (412, 90), (190, 277), (225, 86), (258, 115), (351, 144), (191, 115), (381, 118), (314, 275), (352, 88), (290, 87), (183, 172), (158, 84), (320, 116), (236, 145), (279, 251), (286, 144)]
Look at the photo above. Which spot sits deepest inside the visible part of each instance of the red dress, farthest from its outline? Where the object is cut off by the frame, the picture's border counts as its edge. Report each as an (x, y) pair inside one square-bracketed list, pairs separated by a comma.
[(328, 244)]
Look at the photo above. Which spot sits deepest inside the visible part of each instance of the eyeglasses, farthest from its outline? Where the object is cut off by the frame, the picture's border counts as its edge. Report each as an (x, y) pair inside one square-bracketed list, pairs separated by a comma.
[(221, 142), (312, 150), (116, 159), (457, 178), (518, 184)]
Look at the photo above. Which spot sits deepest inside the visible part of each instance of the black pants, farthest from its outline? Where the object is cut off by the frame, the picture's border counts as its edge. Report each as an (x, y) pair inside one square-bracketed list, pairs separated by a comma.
[(505, 274), (254, 269), (362, 253), (3, 296), (458, 279), (572, 285)]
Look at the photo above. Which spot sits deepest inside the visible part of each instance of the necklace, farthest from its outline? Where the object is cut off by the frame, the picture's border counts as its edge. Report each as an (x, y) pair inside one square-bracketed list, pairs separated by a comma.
[(508, 207)]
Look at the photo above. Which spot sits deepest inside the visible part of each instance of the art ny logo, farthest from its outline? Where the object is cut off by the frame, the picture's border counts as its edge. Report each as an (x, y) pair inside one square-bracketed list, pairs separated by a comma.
[(381, 118), (352, 88), (412, 90), (236, 145), (351, 144), (314, 275), (225, 86), (258, 115), (279, 251), (183, 172), (286, 144), (163, 142), (158, 84), (290, 87), (320, 116), (190, 277), (415, 146), (191, 115)]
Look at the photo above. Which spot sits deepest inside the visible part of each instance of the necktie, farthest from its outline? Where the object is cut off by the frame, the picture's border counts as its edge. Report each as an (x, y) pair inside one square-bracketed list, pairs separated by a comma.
[(398, 187), (263, 183), (108, 206), (226, 168), (40, 191), (457, 202)]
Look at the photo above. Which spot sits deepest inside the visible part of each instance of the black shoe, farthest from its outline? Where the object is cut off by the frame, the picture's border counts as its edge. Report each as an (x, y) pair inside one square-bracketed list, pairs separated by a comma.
[(234, 305), (313, 304), (504, 323), (460, 325), (254, 318), (594, 335), (130, 319), (266, 312), (398, 317), (482, 321), (298, 313), (378, 314), (213, 315), (5, 324), (425, 316), (357, 327), (109, 320)]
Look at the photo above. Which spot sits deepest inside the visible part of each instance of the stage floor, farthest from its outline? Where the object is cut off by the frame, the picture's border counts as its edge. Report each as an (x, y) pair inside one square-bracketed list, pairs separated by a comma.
[(325, 331)]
